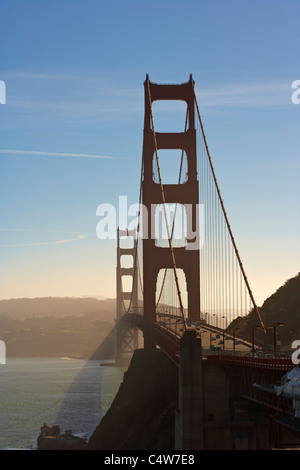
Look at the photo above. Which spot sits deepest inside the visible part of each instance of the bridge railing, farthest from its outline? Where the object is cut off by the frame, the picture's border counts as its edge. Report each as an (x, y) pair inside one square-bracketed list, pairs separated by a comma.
[(136, 310), (239, 353), (262, 362), (172, 323)]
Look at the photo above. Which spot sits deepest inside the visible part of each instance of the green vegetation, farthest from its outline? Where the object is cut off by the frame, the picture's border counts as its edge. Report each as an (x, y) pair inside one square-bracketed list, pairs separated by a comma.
[(283, 306)]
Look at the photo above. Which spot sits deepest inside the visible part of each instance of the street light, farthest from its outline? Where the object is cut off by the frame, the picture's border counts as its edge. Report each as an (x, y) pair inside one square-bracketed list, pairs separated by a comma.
[(224, 331), (215, 315), (225, 318), (254, 328), (278, 323), (210, 340), (233, 332)]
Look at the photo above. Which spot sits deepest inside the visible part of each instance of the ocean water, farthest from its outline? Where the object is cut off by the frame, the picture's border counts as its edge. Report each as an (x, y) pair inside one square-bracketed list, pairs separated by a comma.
[(74, 394)]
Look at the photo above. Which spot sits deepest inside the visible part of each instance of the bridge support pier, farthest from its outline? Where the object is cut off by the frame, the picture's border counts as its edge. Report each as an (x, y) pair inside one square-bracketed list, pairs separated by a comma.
[(189, 429)]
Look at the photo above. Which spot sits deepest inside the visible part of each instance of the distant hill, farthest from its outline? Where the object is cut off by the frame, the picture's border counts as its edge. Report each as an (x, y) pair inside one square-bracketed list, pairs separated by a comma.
[(282, 306), (57, 327), (20, 309)]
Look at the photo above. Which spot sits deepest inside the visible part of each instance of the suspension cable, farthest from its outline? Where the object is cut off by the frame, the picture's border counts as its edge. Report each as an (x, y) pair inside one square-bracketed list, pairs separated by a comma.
[(225, 214), (136, 265)]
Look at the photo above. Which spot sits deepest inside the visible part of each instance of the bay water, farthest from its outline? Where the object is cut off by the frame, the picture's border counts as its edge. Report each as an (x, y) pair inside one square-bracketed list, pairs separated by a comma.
[(75, 394)]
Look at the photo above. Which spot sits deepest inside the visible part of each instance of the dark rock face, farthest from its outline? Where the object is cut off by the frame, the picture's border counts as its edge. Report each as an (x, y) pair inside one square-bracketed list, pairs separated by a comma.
[(142, 415)]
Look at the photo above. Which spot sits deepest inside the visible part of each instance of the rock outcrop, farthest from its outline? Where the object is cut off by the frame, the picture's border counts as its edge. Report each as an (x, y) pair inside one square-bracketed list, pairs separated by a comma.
[(50, 438)]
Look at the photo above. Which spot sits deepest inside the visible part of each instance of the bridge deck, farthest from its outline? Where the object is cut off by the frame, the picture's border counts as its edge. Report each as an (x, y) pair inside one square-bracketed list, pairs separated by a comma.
[(168, 329)]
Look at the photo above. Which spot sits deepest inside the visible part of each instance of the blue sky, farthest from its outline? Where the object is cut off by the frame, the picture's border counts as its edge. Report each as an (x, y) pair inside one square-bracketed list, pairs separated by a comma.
[(74, 73)]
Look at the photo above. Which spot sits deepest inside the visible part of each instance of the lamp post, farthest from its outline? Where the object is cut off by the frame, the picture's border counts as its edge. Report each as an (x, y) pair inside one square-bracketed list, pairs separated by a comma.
[(254, 328), (225, 318), (233, 333), (278, 323), (224, 331), (210, 340), (215, 315)]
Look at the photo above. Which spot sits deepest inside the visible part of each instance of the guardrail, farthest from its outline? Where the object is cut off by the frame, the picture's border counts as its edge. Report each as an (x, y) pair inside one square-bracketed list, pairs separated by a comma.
[(282, 364)]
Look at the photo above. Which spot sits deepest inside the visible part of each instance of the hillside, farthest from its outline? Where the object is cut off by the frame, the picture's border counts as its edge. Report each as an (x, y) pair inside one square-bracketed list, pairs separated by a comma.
[(55, 327), (19, 309), (282, 306)]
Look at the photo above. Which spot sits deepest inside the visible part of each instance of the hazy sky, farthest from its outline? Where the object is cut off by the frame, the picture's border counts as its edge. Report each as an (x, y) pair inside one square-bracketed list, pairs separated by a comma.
[(74, 73)]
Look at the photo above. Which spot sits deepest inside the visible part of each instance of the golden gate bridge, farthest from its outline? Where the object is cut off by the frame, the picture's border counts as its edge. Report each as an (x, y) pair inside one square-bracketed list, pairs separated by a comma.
[(187, 277)]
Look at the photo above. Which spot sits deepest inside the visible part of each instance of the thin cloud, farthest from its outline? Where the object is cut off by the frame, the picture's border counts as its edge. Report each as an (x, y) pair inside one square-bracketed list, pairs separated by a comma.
[(56, 242), (54, 154), (245, 95), (38, 230)]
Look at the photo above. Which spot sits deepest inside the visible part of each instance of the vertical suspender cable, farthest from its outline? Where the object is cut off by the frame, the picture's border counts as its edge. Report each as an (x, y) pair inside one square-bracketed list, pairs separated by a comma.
[(225, 215)]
